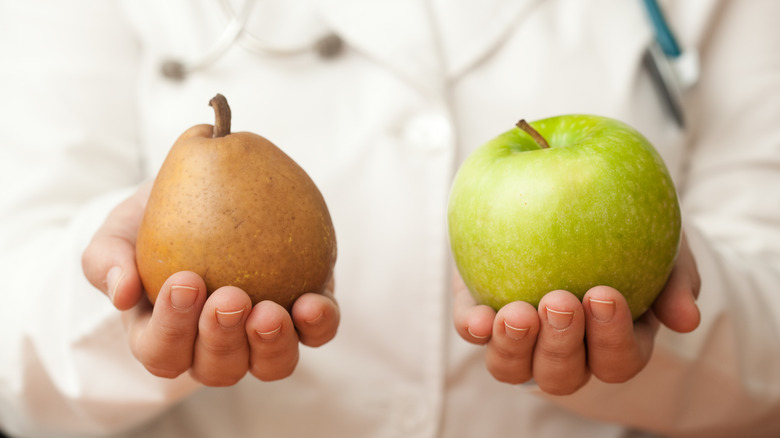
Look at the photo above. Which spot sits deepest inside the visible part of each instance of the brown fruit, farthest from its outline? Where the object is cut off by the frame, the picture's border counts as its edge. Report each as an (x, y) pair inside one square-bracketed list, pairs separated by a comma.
[(238, 211)]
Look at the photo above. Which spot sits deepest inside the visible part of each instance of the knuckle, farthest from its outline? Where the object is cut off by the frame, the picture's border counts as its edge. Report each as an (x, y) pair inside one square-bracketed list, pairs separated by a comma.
[(613, 360), (223, 348), (559, 355), (510, 375), (162, 360), (173, 334), (608, 347), (508, 366), (502, 353)]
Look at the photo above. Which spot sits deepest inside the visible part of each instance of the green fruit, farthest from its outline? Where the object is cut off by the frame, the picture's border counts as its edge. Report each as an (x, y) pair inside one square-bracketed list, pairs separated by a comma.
[(596, 207)]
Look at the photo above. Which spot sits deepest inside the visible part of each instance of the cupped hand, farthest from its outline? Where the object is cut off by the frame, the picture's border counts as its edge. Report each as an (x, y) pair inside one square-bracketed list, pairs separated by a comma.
[(216, 338), (565, 341)]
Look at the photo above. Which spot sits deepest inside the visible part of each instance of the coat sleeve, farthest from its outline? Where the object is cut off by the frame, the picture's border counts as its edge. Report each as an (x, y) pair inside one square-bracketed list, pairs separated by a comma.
[(723, 379), (68, 154)]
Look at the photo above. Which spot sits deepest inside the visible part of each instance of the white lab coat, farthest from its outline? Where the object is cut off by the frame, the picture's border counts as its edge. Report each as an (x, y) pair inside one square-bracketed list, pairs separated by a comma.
[(85, 116)]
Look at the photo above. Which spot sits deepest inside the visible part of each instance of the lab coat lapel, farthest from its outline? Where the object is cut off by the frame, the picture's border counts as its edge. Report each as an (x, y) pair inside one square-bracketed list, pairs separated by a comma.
[(396, 33), (474, 31), (400, 34)]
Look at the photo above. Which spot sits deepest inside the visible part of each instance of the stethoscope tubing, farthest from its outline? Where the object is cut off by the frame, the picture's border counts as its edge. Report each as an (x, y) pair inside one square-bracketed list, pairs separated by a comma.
[(326, 46), (661, 57)]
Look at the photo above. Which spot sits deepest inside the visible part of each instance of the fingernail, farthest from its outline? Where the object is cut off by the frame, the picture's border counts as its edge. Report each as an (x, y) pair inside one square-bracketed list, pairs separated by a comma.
[(316, 319), (559, 320), (113, 278), (230, 319), (270, 336), (183, 297), (475, 336), (514, 332), (602, 310)]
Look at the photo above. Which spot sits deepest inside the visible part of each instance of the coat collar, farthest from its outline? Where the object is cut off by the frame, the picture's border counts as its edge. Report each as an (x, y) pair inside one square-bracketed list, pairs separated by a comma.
[(417, 40)]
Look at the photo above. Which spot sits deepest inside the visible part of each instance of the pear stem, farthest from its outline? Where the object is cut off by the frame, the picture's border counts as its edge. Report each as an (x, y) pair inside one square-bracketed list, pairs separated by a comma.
[(522, 124), (221, 116)]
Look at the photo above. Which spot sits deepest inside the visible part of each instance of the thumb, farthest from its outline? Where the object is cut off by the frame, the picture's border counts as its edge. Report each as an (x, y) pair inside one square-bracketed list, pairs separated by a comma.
[(108, 261), (676, 306)]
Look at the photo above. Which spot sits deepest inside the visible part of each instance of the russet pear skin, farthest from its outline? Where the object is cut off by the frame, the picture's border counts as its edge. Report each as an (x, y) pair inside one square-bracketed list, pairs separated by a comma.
[(237, 211)]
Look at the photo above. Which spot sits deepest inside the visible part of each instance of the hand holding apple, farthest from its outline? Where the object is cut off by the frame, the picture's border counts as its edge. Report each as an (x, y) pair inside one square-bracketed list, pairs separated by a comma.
[(600, 339), (570, 336), (578, 201)]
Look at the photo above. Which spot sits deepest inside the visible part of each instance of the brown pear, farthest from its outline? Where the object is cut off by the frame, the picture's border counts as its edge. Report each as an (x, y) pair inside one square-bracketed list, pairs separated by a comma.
[(237, 210)]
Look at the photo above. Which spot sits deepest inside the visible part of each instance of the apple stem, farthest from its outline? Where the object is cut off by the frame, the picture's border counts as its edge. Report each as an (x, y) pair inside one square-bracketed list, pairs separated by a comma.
[(522, 124), (221, 116)]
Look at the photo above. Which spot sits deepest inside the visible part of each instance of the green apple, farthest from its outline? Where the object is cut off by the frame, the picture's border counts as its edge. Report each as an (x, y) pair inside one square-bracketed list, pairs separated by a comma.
[(569, 203)]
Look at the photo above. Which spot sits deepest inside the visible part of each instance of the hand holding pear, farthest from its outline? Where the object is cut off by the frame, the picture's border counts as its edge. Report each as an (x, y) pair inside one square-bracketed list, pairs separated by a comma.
[(237, 210)]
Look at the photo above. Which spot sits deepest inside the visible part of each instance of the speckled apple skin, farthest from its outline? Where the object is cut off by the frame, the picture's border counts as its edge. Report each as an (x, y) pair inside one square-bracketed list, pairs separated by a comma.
[(596, 208)]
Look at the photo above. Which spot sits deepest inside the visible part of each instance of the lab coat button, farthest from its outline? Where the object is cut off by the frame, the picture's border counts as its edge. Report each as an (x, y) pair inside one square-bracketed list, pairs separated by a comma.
[(430, 131)]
